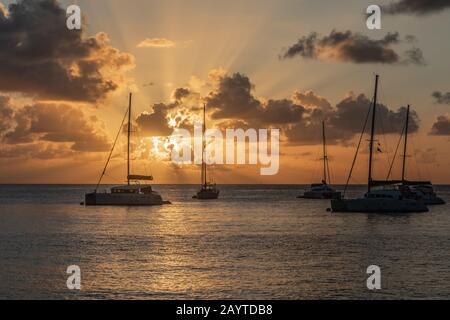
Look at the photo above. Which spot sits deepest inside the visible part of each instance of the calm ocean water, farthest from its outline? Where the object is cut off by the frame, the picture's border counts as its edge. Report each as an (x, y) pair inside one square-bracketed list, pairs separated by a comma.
[(256, 242)]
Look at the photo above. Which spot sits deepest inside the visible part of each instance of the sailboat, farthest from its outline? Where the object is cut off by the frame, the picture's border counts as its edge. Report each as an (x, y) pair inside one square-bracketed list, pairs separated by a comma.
[(208, 189), (378, 200), (417, 189), (322, 190), (131, 194)]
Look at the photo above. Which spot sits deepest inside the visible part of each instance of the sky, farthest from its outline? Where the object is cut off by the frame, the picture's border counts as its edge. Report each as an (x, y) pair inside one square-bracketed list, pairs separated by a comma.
[(286, 65)]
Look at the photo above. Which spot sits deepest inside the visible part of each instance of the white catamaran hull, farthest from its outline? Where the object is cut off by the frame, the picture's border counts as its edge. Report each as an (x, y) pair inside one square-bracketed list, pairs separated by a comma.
[(114, 199), (378, 205)]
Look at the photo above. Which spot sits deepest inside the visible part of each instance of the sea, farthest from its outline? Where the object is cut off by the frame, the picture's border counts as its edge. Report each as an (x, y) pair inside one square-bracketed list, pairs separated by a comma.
[(255, 242)]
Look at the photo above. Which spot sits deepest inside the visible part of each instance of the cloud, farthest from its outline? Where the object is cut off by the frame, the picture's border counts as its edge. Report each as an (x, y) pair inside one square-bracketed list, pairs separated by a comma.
[(42, 58), (164, 117), (40, 150), (345, 121), (162, 43), (441, 98), (6, 115), (300, 118), (417, 7), (353, 47), (156, 43), (233, 99), (155, 123), (310, 99), (441, 126), (55, 126), (181, 93), (233, 103)]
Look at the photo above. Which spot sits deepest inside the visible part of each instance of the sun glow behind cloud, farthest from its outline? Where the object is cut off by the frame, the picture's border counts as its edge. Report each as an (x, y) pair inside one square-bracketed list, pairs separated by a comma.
[(240, 37)]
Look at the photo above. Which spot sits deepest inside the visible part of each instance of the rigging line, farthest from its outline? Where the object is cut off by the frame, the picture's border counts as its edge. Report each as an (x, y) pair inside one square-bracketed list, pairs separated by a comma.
[(396, 151), (415, 159), (330, 174), (357, 150), (111, 152), (113, 178), (383, 134), (141, 139), (383, 131), (328, 171), (426, 163), (315, 168), (328, 165)]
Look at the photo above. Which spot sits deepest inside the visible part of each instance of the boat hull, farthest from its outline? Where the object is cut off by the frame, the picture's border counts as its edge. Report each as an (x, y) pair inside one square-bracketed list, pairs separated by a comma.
[(110, 199), (207, 195), (321, 195), (378, 205), (433, 200)]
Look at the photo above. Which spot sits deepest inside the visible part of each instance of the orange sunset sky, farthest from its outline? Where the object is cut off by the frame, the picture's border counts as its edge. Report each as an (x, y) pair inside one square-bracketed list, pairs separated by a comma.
[(260, 64)]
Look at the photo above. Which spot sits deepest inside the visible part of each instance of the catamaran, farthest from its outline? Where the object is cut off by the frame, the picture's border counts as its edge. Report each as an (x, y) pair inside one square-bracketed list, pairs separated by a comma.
[(322, 190), (378, 199), (418, 189), (133, 193), (208, 189)]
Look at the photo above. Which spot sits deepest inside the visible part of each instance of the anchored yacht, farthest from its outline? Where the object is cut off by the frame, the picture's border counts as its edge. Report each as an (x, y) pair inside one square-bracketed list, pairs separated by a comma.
[(427, 193), (422, 190), (208, 189), (322, 190), (133, 193), (379, 199)]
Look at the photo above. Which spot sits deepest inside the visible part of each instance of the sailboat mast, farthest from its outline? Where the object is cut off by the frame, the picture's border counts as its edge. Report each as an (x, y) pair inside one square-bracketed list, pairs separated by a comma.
[(406, 144), (203, 147), (372, 133), (129, 137), (324, 153)]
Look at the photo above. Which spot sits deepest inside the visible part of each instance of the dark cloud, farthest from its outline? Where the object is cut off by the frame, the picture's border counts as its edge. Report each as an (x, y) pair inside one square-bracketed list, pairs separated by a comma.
[(6, 114), (51, 123), (178, 112), (280, 112), (418, 7), (442, 126), (345, 121), (40, 150), (441, 97), (310, 99), (181, 93), (353, 47), (300, 118), (155, 123), (233, 99), (41, 57)]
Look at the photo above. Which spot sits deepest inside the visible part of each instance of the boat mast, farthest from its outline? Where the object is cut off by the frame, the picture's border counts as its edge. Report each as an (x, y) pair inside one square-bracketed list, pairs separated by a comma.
[(406, 144), (372, 133), (325, 158), (129, 136), (203, 147)]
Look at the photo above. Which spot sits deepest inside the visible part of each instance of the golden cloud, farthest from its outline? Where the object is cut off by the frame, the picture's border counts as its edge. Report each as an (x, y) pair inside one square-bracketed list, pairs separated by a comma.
[(156, 43)]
